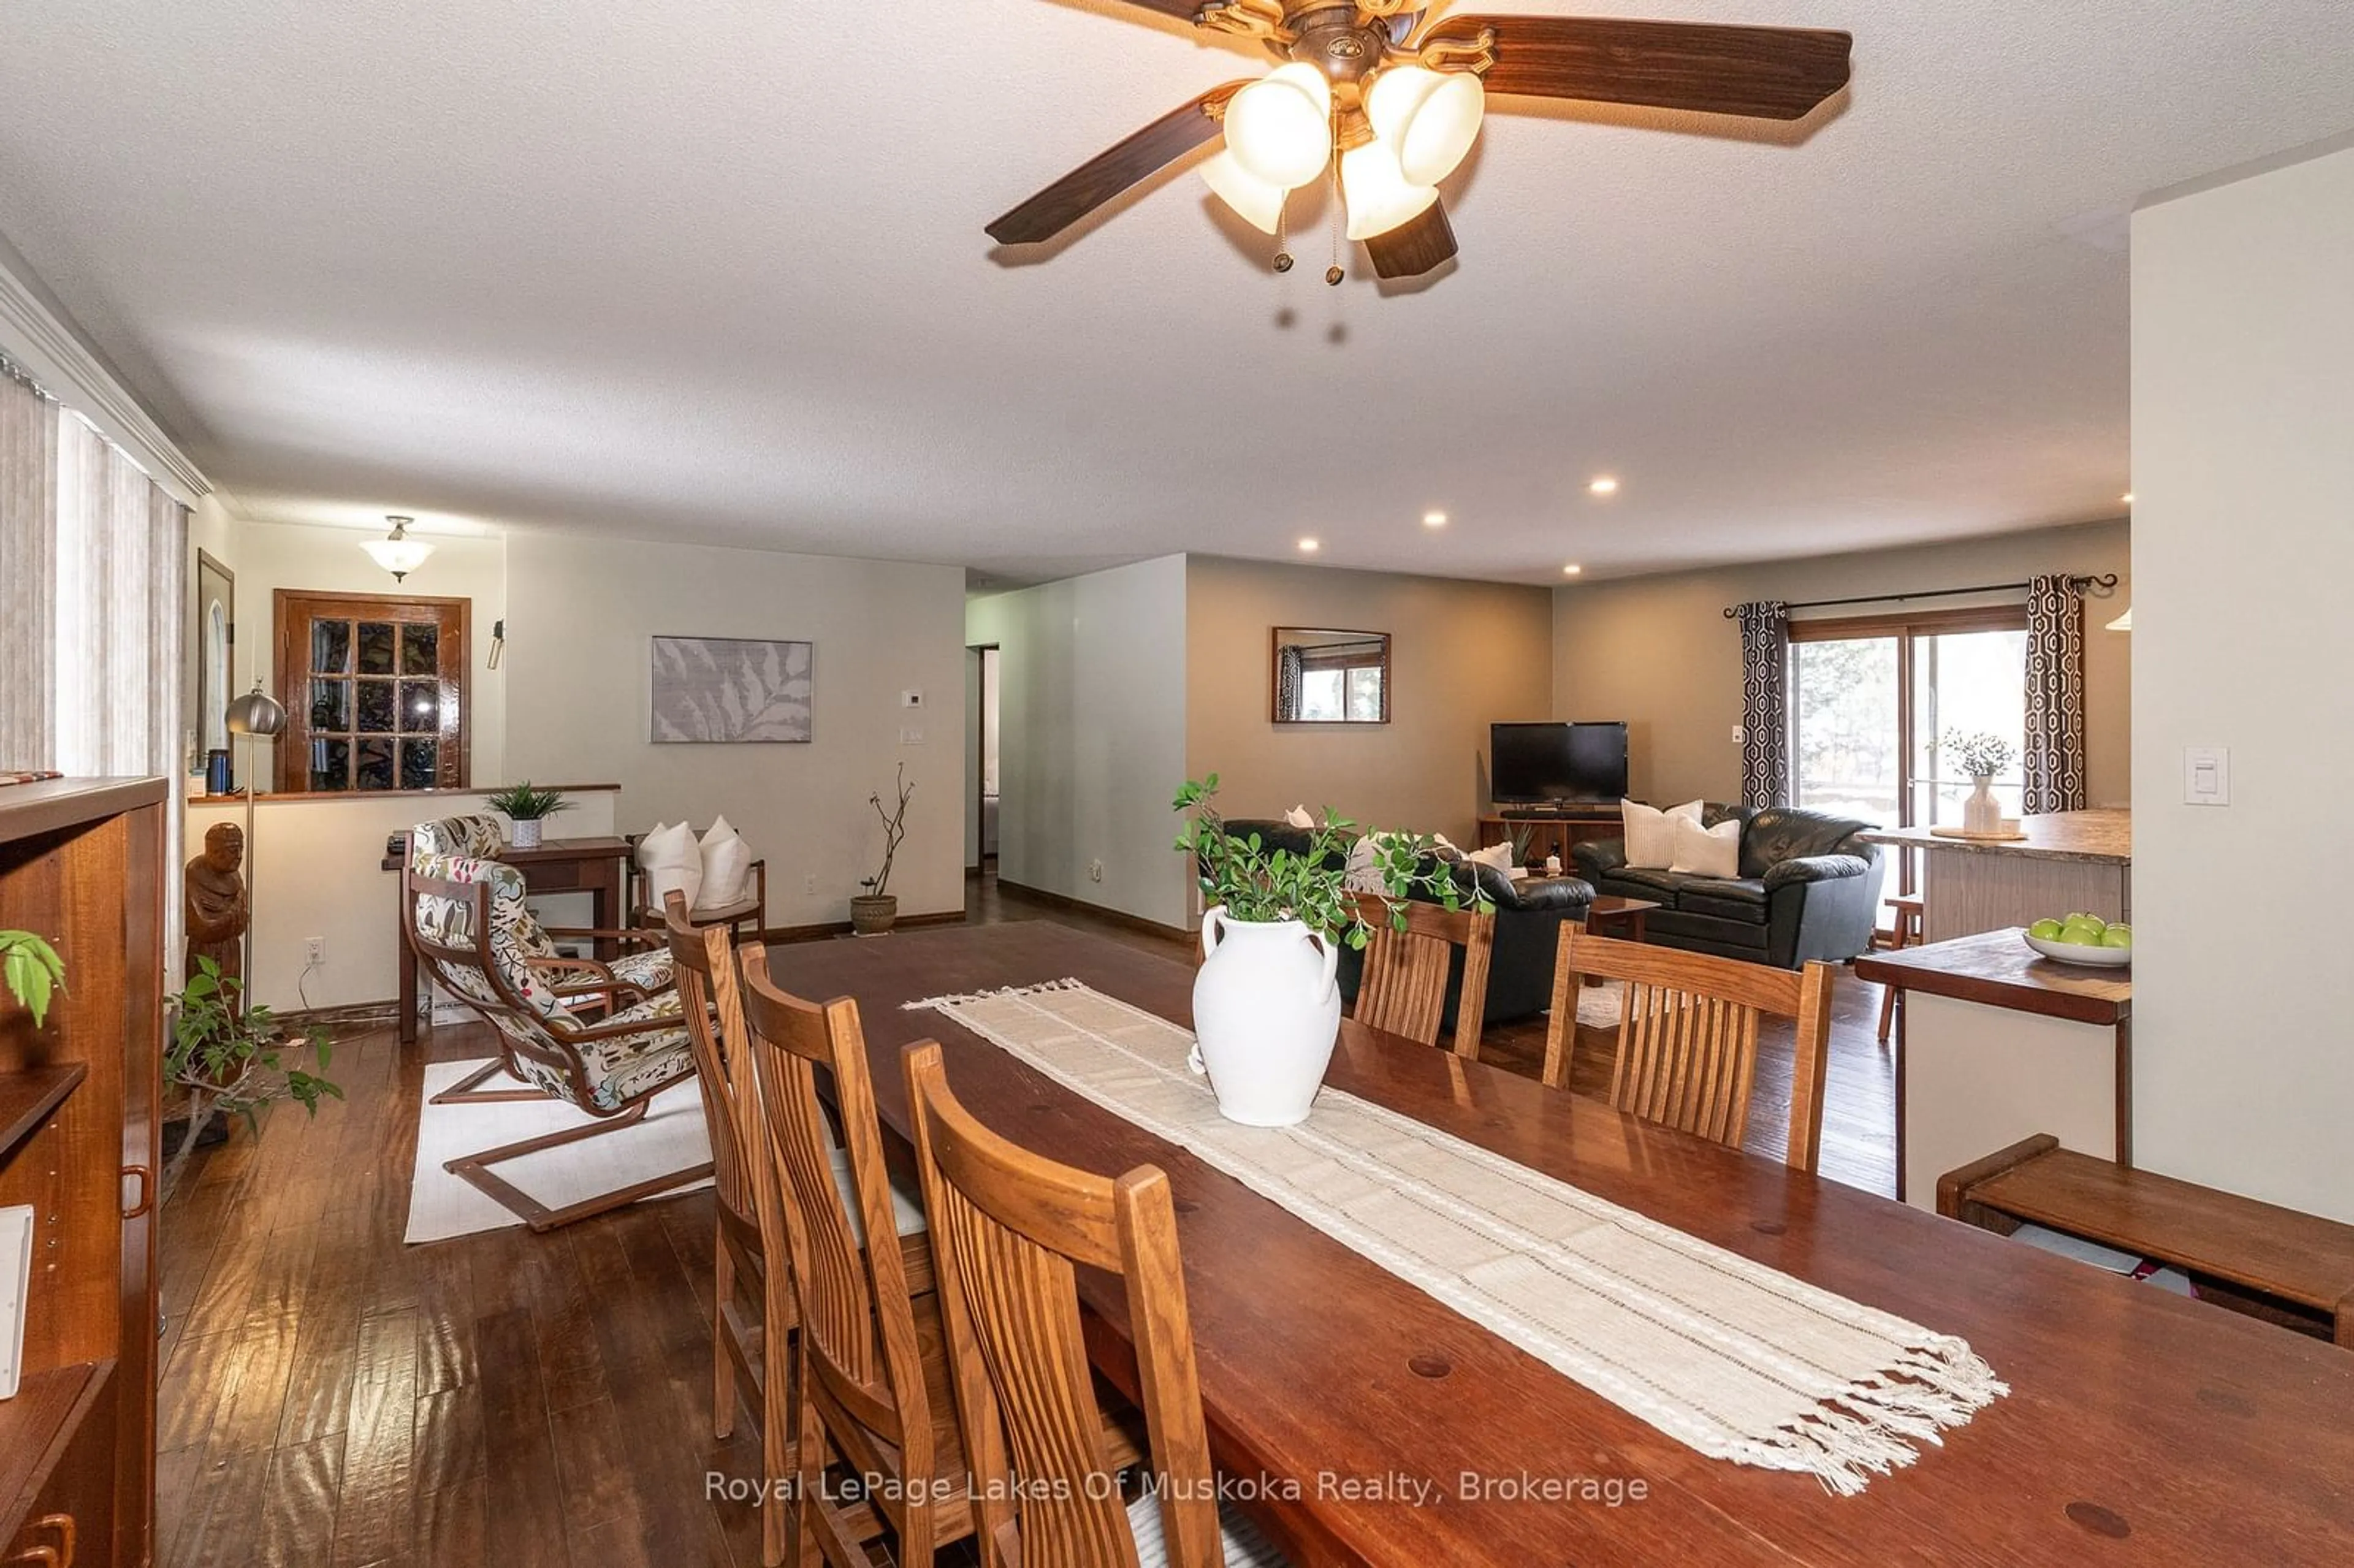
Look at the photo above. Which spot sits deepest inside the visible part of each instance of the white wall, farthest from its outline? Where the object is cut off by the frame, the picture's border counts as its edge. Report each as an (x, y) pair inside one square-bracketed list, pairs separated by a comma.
[(317, 866), (2243, 554), (272, 556), (580, 617), (1092, 735)]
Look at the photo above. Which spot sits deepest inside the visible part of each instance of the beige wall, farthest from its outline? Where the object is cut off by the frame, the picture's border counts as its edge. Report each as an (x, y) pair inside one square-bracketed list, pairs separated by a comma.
[(1091, 735), (1659, 653), (1463, 656), (2243, 474), (268, 556), (580, 617)]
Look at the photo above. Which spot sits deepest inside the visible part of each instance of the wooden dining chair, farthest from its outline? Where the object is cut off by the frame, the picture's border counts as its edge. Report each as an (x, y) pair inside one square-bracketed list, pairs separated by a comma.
[(1403, 987), (1010, 1228), (870, 1349), (752, 1326), (1688, 1035)]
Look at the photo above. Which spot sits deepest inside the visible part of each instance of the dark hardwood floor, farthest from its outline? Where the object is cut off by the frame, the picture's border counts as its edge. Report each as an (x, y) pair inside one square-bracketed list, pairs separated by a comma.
[(333, 1398)]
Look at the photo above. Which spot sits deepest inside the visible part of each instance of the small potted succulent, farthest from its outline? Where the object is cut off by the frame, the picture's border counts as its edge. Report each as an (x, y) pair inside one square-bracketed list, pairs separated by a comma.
[(876, 910), (1267, 1003), (527, 807)]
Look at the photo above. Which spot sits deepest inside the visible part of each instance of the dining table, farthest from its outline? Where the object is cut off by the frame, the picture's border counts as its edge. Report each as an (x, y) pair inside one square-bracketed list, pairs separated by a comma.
[(1362, 1420)]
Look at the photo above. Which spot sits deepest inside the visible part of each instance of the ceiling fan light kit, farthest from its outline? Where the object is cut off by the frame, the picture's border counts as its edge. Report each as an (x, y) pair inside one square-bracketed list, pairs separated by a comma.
[(1400, 98)]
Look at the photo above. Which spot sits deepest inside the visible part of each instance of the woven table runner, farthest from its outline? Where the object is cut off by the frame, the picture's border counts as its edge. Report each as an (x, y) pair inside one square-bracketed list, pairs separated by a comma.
[(1735, 1360)]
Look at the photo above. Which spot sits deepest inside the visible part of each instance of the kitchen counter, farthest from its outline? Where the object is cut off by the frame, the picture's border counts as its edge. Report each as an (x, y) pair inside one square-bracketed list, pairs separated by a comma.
[(2101, 837), (2068, 861), (1996, 1043)]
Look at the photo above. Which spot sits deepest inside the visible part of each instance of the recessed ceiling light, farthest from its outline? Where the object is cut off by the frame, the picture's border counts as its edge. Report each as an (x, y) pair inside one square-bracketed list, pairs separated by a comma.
[(2127, 498), (1309, 546), (1434, 519), (1604, 485), (1572, 569)]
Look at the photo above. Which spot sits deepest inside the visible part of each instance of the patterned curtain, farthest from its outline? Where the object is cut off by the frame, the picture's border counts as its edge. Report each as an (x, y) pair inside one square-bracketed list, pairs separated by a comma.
[(1288, 667), (2055, 761), (28, 506), (1764, 703)]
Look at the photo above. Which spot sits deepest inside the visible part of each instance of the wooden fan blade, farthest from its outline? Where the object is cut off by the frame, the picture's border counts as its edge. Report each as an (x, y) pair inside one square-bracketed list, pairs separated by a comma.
[(1770, 73), (1414, 247), (1113, 169)]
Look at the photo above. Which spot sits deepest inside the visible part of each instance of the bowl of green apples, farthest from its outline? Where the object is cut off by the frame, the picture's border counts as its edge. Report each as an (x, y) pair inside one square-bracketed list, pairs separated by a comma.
[(2083, 939)]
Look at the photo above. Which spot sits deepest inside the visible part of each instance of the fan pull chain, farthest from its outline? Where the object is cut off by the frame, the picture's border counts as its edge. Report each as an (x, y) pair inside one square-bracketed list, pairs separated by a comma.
[(1282, 217), (1332, 274)]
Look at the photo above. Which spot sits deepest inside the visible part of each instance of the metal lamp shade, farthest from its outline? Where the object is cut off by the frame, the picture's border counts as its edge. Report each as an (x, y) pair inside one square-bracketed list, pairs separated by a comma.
[(256, 713)]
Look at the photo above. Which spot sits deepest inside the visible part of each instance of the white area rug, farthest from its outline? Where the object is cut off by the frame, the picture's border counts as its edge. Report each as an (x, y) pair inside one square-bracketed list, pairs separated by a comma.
[(440, 1206), (1601, 1006)]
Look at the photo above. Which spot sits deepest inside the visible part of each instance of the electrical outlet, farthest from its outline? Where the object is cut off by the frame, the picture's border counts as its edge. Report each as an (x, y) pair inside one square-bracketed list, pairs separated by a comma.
[(812, 888), (314, 950), (1094, 871)]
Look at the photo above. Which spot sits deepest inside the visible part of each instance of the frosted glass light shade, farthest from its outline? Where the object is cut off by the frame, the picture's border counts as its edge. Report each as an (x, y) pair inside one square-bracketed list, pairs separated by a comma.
[(1258, 204), (1430, 118), (396, 552), (1279, 128), (1378, 194)]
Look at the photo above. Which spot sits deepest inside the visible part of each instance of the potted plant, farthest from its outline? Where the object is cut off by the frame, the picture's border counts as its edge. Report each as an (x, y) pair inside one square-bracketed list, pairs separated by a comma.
[(1981, 756), (229, 1061), (1267, 1003), (876, 910), (32, 971), (527, 808)]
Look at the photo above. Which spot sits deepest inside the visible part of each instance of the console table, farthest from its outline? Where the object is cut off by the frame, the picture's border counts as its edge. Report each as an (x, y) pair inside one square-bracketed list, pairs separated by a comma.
[(1554, 832), (593, 866)]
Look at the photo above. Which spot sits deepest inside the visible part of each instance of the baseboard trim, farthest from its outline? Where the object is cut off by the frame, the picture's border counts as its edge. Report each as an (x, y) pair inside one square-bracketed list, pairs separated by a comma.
[(352, 1015), (825, 928), (1119, 917)]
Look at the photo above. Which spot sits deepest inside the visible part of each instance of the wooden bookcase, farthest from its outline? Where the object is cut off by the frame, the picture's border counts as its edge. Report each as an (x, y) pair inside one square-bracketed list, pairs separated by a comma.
[(81, 863)]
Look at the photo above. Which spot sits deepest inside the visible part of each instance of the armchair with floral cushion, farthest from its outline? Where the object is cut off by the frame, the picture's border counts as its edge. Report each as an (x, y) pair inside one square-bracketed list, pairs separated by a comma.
[(604, 1037)]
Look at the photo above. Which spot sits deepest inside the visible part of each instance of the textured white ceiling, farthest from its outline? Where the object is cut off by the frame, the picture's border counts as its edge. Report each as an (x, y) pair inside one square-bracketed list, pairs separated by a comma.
[(717, 271)]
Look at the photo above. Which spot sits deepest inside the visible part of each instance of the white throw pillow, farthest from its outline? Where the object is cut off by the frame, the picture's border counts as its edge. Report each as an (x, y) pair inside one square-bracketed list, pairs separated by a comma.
[(1708, 852), (670, 858), (726, 867), (1298, 817), (1497, 856), (1364, 870), (1651, 833)]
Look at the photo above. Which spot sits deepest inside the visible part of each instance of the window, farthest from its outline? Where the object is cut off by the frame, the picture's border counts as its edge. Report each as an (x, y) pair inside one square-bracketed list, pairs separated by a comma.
[(1868, 699), (375, 688)]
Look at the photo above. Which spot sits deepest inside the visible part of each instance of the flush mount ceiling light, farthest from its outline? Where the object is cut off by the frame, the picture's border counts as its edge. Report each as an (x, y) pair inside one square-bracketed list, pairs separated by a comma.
[(1397, 97), (396, 552)]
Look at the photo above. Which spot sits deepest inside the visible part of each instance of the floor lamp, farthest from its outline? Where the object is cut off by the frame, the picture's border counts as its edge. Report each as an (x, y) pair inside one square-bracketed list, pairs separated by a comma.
[(257, 717)]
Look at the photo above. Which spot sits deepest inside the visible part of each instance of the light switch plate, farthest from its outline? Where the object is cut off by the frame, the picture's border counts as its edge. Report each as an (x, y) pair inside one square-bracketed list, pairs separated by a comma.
[(2206, 776)]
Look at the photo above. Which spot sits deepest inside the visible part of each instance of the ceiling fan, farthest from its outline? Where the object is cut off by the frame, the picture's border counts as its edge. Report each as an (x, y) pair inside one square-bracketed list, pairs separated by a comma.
[(1397, 98)]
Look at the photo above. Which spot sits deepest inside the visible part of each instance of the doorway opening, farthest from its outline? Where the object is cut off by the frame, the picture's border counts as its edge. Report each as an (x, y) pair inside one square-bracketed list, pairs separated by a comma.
[(982, 678)]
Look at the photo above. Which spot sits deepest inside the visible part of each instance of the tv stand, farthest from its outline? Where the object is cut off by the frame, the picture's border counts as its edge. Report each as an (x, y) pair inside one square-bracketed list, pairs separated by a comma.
[(1552, 830)]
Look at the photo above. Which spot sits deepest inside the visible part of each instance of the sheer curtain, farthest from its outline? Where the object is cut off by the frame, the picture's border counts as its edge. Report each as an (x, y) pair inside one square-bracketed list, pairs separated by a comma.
[(29, 507)]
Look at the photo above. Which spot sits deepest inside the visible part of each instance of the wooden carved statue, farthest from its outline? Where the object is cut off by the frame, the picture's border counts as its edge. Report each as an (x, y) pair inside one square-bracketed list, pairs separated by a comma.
[(217, 907)]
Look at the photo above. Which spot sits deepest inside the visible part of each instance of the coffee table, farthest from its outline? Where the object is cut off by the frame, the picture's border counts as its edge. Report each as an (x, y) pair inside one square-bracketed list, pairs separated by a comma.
[(1611, 916)]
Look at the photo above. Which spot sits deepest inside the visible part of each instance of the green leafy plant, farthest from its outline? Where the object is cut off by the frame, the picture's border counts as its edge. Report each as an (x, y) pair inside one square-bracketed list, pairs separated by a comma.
[(1520, 835), (1980, 755), (524, 803), (32, 971), (1256, 883), (233, 1062), (894, 829)]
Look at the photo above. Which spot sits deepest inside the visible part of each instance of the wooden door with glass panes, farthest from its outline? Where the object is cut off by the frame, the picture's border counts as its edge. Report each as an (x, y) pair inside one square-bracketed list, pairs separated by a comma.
[(375, 688)]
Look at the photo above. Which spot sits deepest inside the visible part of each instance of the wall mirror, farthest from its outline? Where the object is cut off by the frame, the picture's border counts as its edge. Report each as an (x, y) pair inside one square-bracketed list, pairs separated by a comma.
[(211, 642), (1331, 677)]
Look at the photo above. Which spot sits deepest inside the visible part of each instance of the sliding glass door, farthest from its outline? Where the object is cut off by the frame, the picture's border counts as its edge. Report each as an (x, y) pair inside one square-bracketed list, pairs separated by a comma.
[(1869, 699)]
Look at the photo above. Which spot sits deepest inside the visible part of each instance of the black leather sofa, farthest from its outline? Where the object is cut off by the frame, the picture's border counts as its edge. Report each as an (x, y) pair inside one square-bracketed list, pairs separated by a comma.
[(1528, 915), (1808, 889)]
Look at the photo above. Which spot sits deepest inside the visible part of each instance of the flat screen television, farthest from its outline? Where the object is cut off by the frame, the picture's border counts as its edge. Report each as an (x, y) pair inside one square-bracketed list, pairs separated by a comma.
[(1533, 762)]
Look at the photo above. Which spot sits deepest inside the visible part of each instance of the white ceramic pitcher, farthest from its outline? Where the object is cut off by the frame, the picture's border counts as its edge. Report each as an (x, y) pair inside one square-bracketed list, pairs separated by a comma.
[(1266, 1009)]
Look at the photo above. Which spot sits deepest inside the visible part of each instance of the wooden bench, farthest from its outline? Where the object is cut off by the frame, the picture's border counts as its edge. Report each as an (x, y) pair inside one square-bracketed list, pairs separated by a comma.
[(2271, 1252)]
